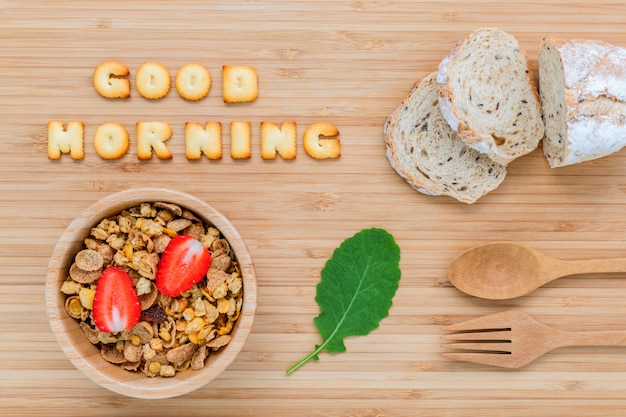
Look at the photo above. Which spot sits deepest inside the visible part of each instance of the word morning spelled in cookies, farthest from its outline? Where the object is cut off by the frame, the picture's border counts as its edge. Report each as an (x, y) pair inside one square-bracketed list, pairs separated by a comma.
[(192, 82)]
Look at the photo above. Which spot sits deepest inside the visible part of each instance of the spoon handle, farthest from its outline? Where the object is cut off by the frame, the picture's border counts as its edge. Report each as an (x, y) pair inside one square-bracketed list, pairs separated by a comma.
[(594, 265)]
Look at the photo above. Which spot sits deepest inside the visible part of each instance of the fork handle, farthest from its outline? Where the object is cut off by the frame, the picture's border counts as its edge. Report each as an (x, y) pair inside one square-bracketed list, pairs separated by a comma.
[(592, 338)]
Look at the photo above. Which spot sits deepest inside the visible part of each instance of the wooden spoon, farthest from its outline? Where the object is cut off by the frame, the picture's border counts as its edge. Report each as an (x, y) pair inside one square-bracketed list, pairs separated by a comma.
[(503, 270)]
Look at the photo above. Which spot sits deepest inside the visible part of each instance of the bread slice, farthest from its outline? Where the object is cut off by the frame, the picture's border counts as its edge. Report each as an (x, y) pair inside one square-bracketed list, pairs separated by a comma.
[(489, 97), (583, 94), (429, 155)]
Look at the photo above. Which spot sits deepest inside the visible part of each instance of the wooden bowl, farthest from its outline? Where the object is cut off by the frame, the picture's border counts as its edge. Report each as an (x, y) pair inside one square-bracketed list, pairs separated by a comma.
[(85, 356)]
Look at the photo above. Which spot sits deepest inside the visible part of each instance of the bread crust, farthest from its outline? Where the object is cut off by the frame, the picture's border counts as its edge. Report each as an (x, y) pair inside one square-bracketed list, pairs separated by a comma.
[(501, 142), (424, 150), (588, 79)]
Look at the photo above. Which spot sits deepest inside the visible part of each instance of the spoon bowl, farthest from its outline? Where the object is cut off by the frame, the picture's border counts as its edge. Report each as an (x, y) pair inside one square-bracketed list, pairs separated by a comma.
[(504, 270)]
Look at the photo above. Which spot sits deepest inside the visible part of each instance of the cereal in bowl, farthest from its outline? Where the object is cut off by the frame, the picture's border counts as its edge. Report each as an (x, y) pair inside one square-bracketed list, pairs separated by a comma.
[(156, 289)]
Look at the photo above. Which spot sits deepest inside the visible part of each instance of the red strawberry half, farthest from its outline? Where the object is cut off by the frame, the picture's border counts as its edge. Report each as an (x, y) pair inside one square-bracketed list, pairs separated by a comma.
[(184, 263), (116, 304)]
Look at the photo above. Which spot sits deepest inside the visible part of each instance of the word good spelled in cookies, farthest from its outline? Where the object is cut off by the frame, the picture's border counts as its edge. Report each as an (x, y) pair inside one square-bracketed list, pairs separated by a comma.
[(111, 141)]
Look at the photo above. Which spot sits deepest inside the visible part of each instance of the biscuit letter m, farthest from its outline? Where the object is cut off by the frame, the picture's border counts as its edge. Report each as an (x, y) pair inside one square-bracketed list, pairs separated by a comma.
[(62, 140)]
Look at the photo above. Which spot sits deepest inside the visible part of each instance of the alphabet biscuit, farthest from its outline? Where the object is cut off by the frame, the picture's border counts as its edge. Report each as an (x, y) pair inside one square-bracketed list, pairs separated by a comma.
[(61, 140), (318, 147), (207, 140), (153, 80), (240, 140), (108, 81), (193, 82), (152, 136), (240, 84), (281, 140), (111, 141)]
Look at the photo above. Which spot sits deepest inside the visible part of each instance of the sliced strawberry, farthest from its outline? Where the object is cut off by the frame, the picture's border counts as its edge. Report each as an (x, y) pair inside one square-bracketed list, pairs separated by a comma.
[(116, 304), (184, 263)]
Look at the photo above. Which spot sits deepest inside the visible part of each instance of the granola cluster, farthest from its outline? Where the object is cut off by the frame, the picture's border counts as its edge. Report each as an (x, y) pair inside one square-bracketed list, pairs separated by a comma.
[(174, 333)]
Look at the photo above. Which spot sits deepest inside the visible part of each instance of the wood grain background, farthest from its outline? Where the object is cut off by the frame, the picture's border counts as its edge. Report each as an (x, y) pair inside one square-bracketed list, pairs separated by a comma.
[(349, 63)]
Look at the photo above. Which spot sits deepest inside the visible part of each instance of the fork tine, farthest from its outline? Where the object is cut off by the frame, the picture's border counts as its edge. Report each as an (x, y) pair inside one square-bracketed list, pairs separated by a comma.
[(494, 359), (495, 335), (480, 346), (481, 323)]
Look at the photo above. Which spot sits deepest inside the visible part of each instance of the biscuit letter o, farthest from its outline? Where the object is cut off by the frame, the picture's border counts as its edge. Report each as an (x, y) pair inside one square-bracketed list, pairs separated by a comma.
[(193, 82), (153, 80), (320, 148), (111, 141)]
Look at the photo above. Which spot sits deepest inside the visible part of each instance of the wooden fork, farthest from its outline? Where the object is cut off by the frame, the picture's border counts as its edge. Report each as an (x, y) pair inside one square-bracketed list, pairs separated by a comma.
[(513, 339)]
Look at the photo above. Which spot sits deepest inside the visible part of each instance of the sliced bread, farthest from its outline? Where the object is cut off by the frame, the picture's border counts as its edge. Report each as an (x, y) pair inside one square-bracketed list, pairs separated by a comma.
[(430, 156), (489, 97), (583, 93)]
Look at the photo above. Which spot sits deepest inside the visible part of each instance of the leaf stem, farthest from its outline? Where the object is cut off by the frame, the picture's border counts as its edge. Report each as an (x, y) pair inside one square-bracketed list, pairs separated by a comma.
[(306, 359)]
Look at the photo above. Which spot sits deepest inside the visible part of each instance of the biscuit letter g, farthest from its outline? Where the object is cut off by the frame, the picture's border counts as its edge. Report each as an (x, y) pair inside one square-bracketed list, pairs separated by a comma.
[(320, 148), (109, 82), (61, 140)]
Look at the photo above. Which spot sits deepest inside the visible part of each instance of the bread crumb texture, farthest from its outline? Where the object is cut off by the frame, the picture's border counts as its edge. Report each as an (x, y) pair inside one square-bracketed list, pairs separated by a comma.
[(489, 97), (424, 150)]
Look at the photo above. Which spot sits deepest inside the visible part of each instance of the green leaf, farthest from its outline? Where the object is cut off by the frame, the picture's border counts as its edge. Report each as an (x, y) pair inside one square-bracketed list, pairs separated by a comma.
[(356, 289)]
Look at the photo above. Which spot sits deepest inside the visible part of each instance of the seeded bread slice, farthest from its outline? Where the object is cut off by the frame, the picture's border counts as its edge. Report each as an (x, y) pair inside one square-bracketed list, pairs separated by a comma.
[(489, 97), (429, 155), (583, 94)]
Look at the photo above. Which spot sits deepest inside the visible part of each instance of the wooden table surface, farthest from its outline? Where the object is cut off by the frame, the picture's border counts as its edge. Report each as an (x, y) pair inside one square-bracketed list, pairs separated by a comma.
[(349, 63)]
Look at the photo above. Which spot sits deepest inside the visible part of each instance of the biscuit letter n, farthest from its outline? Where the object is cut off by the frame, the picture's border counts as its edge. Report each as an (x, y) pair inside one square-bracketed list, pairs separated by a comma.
[(278, 139), (318, 147), (152, 135), (207, 140), (61, 140)]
